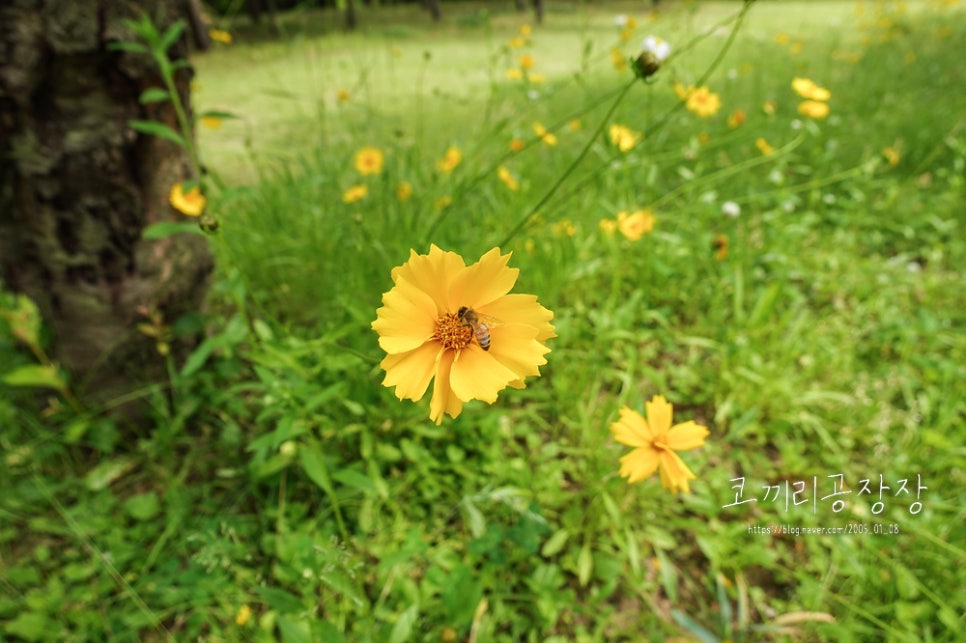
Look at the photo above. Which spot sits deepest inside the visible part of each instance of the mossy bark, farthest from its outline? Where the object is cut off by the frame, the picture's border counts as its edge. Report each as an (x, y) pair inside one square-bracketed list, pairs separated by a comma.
[(78, 186)]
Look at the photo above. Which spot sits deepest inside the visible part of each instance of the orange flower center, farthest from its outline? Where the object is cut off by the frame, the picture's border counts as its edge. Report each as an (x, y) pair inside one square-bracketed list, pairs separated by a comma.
[(660, 445), (451, 332)]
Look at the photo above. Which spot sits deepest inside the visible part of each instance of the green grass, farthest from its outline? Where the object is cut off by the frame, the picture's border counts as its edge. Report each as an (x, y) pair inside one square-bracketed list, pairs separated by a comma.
[(280, 475)]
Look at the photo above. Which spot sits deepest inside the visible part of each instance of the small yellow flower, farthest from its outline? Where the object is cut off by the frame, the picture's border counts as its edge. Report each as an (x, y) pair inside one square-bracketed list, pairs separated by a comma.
[(355, 193), (211, 122), (526, 61), (768, 107), (565, 228), (635, 225), (244, 614), (813, 109), (574, 125), (806, 88), (369, 160), (518, 42), (342, 95), (548, 137), (782, 39), (703, 102), (507, 178), (656, 443), (623, 137), (404, 191), (608, 226), (891, 155), (536, 79), (190, 203), (443, 202), (626, 33), (683, 92), (514, 74), (516, 145), (220, 35), (426, 339), (764, 147), (617, 57), (736, 118), (525, 30), (450, 160)]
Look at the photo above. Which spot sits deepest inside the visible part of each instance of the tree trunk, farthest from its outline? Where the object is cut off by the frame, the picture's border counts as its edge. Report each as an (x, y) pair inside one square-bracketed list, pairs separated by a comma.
[(434, 9), (78, 186)]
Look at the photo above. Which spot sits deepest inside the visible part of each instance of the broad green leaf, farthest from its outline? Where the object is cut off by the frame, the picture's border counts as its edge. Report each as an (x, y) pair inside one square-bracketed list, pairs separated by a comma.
[(107, 472), (403, 629), (30, 626), (340, 582), (280, 600), (24, 320), (132, 47), (163, 229), (214, 113), (158, 129), (555, 543), (355, 479), (314, 466), (143, 507), (35, 375), (294, 631), (585, 565), (329, 633), (172, 34), (153, 95)]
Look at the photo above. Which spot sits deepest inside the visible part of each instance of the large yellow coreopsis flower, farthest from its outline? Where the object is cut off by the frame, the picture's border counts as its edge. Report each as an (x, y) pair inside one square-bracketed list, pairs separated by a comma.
[(656, 443), (430, 327)]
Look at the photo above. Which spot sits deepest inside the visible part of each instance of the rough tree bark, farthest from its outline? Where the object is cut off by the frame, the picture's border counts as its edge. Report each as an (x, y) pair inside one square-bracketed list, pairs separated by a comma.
[(77, 187)]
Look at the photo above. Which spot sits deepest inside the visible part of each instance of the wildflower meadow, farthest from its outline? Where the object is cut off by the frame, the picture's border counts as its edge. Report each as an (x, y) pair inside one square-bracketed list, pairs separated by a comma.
[(644, 322)]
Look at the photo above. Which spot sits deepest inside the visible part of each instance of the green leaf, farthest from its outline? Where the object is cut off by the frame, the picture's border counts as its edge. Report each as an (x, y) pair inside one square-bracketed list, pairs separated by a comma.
[(329, 633), (35, 375), (355, 479), (153, 95), (314, 466), (24, 320), (280, 600), (585, 565), (294, 631), (214, 113), (403, 628), (172, 34), (143, 507), (163, 229), (107, 472), (132, 47), (555, 543), (158, 129), (30, 626)]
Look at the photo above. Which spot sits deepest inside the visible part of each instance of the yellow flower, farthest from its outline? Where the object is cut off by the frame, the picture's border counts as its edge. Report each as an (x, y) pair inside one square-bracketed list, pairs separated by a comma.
[(536, 79), (342, 95), (355, 193), (547, 137), (516, 43), (608, 226), (655, 444), (623, 137), (526, 61), (525, 30), (806, 88), (516, 145), (450, 160), (703, 102), (891, 155), (813, 109), (219, 35), (211, 122), (425, 339), (736, 118), (764, 147), (635, 225), (682, 91), (404, 191), (369, 160), (565, 227), (574, 125), (617, 57), (507, 178), (768, 107), (191, 203), (782, 39), (244, 613), (514, 74)]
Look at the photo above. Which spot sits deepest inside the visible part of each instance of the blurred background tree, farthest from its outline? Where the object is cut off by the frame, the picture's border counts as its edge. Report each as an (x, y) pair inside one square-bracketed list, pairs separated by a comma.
[(78, 186)]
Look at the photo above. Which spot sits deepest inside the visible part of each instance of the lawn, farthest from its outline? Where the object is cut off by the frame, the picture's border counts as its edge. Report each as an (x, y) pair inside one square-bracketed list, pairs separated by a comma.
[(789, 279)]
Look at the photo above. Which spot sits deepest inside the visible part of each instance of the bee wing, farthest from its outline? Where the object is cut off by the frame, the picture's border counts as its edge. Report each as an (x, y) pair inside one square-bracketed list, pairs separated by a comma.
[(489, 320)]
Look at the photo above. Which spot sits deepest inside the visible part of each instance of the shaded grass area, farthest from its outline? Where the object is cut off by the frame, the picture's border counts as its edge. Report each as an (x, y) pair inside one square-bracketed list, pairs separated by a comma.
[(279, 477)]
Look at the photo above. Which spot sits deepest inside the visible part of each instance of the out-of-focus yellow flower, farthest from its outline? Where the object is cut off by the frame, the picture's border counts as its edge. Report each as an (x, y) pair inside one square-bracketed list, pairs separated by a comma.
[(220, 35), (703, 102), (514, 74), (526, 61), (355, 193), (768, 107), (243, 615), (813, 109), (518, 42), (565, 227), (782, 38), (450, 160), (525, 30), (574, 125), (736, 118), (764, 147), (636, 224), (608, 226), (806, 88), (683, 92), (656, 443), (404, 191), (547, 137), (211, 122), (516, 144), (369, 160), (795, 48), (423, 328), (623, 137), (891, 155), (617, 57), (536, 79), (342, 95), (507, 178), (443, 202), (190, 203)]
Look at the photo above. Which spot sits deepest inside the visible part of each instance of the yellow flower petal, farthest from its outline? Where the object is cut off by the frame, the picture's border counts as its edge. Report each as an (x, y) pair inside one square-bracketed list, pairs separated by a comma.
[(632, 429), (411, 372), (406, 320), (659, 414), (523, 309), (674, 473), (443, 400), (477, 375), (686, 436), (638, 464), (485, 281)]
